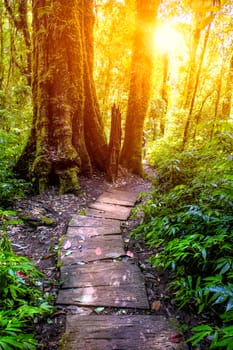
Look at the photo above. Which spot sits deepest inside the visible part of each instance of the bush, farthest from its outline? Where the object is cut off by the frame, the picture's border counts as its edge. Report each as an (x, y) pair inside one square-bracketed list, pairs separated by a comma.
[(15, 120), (10, 187), (21, 301), (189, 218)]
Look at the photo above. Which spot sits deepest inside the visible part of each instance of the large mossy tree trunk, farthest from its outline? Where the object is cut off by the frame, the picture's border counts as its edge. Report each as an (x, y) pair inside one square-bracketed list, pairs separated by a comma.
[(140, 85), (58, 148)]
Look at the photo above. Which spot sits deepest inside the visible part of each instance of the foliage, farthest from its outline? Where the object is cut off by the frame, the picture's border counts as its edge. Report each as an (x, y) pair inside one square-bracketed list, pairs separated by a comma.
[(189, 220), (22, 300), (10, 187), (15, 115), (15, 101)]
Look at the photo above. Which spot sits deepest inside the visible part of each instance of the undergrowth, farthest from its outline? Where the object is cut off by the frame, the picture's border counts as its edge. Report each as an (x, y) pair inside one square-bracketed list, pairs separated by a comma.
[(188, 220), (11, 188), (22, 302)]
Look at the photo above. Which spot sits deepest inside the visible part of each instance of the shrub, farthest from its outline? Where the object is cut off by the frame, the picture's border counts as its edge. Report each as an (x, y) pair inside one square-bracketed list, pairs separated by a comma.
[(189, 218), (10, 187), (21, 299)]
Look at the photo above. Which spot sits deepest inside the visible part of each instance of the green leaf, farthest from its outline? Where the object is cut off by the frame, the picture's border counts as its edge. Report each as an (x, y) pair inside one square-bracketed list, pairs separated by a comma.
[(7, 340), (203, 327), (196, 338), (229, 304)]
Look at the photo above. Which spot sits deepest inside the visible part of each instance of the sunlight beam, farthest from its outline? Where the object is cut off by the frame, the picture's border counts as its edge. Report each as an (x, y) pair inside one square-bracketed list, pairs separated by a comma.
[(167, 40)]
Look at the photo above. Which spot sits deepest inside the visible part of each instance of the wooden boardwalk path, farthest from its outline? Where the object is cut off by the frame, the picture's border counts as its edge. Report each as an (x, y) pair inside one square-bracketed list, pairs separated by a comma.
[(94, 275)]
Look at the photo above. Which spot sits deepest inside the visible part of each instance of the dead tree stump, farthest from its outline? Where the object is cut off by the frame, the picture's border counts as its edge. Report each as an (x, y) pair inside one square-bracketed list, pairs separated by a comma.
[(114, 144)]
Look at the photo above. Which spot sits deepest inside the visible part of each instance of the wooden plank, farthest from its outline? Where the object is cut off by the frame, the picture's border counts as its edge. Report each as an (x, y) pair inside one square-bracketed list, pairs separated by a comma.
[(107, 199), (93, 275), (127, 295), (85, 232), (122, 194), (90, 221), (110, 211), (139, 332), (82, 243), (74, 242), (91, 249), (118, 197)]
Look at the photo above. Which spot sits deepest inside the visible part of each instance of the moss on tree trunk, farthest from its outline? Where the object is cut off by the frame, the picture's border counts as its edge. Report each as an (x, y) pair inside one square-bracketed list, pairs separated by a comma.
[(57, 149)]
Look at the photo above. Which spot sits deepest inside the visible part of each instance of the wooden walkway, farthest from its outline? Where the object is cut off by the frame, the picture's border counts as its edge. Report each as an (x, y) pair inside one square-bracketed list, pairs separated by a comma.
[(93, 274)]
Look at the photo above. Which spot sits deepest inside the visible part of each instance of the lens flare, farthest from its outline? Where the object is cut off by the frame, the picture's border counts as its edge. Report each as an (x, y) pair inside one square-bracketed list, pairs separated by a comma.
[(167, 39)]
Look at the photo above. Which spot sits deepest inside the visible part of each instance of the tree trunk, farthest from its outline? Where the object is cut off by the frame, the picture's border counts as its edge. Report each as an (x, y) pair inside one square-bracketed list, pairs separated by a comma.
[(56, 151), (164, 94), (93, 125), (191, 78), (1, 47), (140, 84), (198, 114), (202, 19), (227, 101), (189, 120), (114, 144)]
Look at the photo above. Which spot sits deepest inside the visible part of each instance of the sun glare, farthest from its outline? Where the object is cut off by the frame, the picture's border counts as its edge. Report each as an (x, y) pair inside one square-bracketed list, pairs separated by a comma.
[(167, 39)]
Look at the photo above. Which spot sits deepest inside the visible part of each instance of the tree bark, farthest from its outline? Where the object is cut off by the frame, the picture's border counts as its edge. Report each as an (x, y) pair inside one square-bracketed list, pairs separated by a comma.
[(192, 71), (188, 122), (56, 151), (114, 144), (93, 125), (164, 94), (140, 85), (227, 101), (1, 47)]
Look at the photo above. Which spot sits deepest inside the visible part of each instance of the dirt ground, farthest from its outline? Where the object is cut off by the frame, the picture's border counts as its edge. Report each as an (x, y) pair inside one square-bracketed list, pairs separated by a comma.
[(45, 221)]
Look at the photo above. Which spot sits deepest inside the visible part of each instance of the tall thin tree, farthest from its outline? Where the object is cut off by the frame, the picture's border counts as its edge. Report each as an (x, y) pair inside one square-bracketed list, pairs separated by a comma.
[(140, 84)]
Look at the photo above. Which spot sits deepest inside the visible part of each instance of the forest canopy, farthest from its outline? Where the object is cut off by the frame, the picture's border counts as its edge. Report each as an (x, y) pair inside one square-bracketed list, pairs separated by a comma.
[(167, 65)]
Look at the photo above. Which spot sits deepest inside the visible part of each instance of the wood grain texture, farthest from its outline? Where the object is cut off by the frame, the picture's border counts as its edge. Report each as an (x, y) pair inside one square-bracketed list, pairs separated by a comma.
[(139, 332), (128, 296), (110, 211), (90, 221), (91, 277), (85, 232), (92, 249), (115, 273), (118, 197)]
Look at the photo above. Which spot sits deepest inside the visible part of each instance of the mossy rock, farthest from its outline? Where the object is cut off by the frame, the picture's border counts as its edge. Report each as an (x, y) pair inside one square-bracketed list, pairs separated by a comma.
[(38, 221), (48, 221)]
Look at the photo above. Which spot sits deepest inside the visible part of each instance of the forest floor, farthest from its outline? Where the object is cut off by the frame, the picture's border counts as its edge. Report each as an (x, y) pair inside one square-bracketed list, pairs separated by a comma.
[(39, 239)]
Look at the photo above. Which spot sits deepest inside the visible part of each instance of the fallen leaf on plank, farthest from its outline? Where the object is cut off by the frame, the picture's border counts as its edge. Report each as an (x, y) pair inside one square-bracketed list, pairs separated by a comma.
[(129, 253), (175, 338), (156, 305), (67, 245)]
